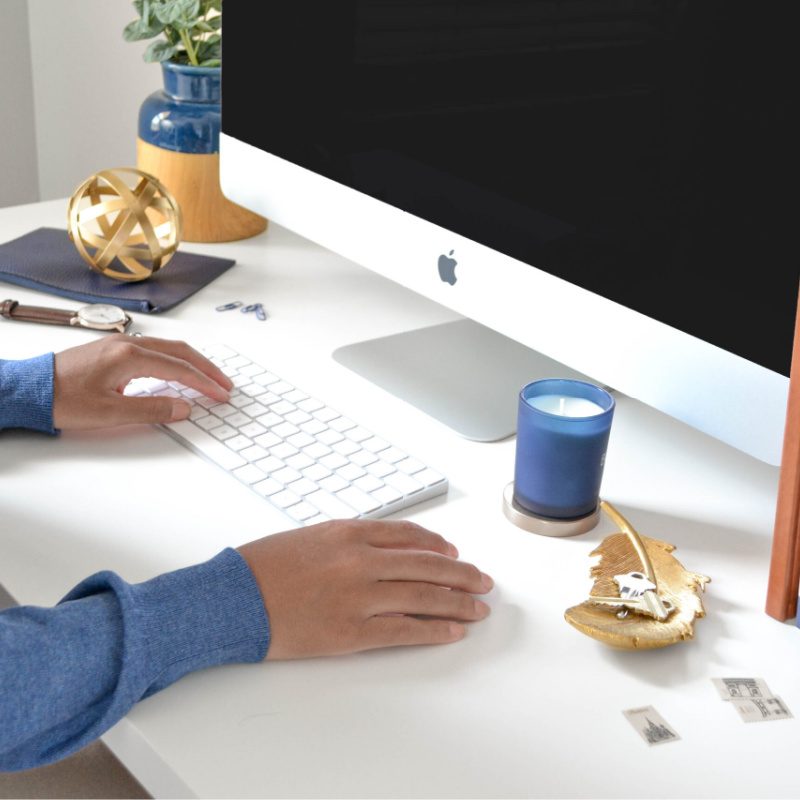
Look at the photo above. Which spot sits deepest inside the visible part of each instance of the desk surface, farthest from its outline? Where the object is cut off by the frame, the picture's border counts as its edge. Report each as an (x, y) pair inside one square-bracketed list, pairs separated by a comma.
[(525, 706)]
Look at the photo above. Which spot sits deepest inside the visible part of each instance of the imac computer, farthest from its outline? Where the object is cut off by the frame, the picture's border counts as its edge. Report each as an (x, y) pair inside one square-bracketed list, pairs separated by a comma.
[(604, 183)]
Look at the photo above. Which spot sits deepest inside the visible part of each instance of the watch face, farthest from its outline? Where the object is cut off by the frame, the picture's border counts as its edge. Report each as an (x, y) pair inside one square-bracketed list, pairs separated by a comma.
[(101, 314)]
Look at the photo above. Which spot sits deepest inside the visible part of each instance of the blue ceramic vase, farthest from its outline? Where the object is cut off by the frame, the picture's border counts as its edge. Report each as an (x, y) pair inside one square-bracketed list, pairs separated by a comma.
[(185, 115), (178, 143)]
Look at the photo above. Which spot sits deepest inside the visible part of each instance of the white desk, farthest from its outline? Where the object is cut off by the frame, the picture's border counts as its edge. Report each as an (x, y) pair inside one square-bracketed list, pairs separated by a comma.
[(525, 705)]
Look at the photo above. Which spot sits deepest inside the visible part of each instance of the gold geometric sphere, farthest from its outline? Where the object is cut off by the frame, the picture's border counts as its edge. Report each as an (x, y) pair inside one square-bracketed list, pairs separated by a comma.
[(126, 218)]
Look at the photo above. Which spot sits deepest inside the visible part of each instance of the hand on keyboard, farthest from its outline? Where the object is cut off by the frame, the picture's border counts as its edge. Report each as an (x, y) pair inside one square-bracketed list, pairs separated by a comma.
[(89, 380), (345, 586)]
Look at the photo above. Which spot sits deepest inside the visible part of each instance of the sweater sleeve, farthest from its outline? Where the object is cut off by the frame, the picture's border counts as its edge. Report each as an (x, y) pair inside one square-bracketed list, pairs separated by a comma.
[(26, 394), (68, 673)]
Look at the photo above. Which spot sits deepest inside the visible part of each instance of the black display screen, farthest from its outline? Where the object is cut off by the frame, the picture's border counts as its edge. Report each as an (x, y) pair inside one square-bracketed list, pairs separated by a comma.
[(643, 150)]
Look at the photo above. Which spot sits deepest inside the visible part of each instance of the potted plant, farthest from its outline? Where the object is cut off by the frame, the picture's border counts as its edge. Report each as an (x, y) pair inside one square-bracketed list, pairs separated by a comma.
[(178, 138)]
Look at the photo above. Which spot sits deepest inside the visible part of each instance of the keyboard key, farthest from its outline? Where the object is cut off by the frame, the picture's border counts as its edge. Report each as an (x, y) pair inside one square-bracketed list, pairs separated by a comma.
[(198, 412), (285, 429), (316, 472), (359, 434), (299, 461), (249, 474), (393, 455), (270, 464), (331, 506), (325, 414), (313, 427), (167, 392), (265, 378), (333, 460), (216, 350), (269, 419), (346, 447), (223, 410), (375, 444), (238, 419), (302, 511), (206, 402), (286, 475), (369, 483), (201, 442), (251, 429), (409, 465), (380, 469), (310, 405), (281, 387), (239, 442), (224, 432), (253, 389), (428, 477), (298, 417), (237, 361), (350, 472), (254, 453), (361, 501), (190, 394), (268, 486), (317, 450), (341, 424), (283, 450), (254, 410), (295, 396), (333, 483), (386, 495), (363, 458), (208, 422), (403, 483), (282, 407), (329, 437), (240, 400), (267, 440), (303, 487), (300, 439), (250, 370), (285, 498)]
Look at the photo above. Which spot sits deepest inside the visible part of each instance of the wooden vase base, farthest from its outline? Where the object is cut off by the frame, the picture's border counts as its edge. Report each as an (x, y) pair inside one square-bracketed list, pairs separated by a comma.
[(208, 216)]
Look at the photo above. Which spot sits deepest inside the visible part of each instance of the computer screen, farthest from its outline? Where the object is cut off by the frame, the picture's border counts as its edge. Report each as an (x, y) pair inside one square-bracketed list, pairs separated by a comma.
[(634, 158)]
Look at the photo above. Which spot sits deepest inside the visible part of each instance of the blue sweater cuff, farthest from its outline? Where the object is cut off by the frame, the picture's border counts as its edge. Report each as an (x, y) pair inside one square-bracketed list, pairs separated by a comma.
[(26, 394)]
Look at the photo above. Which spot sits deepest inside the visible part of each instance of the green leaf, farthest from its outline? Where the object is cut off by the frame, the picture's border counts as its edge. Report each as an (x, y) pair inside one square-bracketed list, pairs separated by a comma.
[(136, 31), (159, 51), (209, 51), (180, 14), (211, 62)]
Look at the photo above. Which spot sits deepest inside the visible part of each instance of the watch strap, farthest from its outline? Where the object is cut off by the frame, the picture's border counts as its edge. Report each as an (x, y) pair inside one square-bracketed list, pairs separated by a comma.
[(11, 309)]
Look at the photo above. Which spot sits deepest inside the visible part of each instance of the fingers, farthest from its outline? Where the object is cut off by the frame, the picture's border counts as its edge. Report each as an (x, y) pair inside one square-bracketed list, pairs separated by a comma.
[(403, 534), (433, 568), (149, 410), (424, 599), (183, 351), (155, 364), (395, 631)]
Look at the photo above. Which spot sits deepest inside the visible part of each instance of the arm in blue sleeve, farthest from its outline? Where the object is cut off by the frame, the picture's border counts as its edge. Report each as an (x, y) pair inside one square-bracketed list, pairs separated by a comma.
[(68, 673), (26, 394)]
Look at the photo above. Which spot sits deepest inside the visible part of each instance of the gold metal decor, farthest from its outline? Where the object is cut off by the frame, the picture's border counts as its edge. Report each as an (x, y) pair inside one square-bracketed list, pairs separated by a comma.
[(642, 597), (125, 223)]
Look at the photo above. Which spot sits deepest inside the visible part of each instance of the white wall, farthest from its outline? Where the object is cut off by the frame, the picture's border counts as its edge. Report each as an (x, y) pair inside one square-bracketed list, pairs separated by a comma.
[(88, 84), (19, 182)]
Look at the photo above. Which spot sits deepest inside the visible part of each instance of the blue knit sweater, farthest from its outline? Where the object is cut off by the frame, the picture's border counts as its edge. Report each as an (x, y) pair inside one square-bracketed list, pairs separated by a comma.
[(68, 673)]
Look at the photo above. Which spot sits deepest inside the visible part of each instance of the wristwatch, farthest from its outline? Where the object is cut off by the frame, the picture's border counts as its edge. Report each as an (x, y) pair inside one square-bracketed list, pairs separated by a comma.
[(98, 316)]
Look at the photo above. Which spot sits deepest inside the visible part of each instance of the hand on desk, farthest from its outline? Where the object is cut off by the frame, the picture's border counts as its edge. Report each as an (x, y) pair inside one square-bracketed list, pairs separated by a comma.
[(90, 379), (344, 586)]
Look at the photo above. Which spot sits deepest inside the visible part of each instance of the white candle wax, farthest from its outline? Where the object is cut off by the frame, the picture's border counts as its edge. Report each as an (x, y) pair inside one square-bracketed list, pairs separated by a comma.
[(564, 406)]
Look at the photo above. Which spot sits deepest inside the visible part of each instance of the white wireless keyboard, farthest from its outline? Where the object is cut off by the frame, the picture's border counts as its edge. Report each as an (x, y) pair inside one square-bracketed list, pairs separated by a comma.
[(302, 456)]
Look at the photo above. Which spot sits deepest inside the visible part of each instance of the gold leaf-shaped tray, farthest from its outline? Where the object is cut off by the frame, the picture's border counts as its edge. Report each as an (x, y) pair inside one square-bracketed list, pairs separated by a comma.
[(677, 585)]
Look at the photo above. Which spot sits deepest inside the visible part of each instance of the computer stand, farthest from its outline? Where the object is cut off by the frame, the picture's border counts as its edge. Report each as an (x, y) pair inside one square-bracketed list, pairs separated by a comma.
[(462, 373)]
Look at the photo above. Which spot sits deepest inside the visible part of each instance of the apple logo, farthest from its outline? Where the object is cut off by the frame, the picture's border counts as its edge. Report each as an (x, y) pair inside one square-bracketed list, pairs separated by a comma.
[(447, 268)]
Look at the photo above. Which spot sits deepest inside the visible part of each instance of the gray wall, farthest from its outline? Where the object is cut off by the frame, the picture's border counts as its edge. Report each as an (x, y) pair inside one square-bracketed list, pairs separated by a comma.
[(73, 95), (19, 181)]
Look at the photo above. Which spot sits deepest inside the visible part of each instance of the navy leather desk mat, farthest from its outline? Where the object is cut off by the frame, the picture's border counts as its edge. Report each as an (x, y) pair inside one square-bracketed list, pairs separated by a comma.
[(47, 260)]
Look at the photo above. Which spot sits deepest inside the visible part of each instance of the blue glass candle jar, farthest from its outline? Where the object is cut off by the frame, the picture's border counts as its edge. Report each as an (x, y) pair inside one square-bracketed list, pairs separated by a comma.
[(563, 427)]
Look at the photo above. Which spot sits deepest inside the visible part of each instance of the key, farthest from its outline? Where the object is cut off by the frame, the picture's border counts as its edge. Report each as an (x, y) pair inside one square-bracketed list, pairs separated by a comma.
[(331, 506), (203, 443)]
